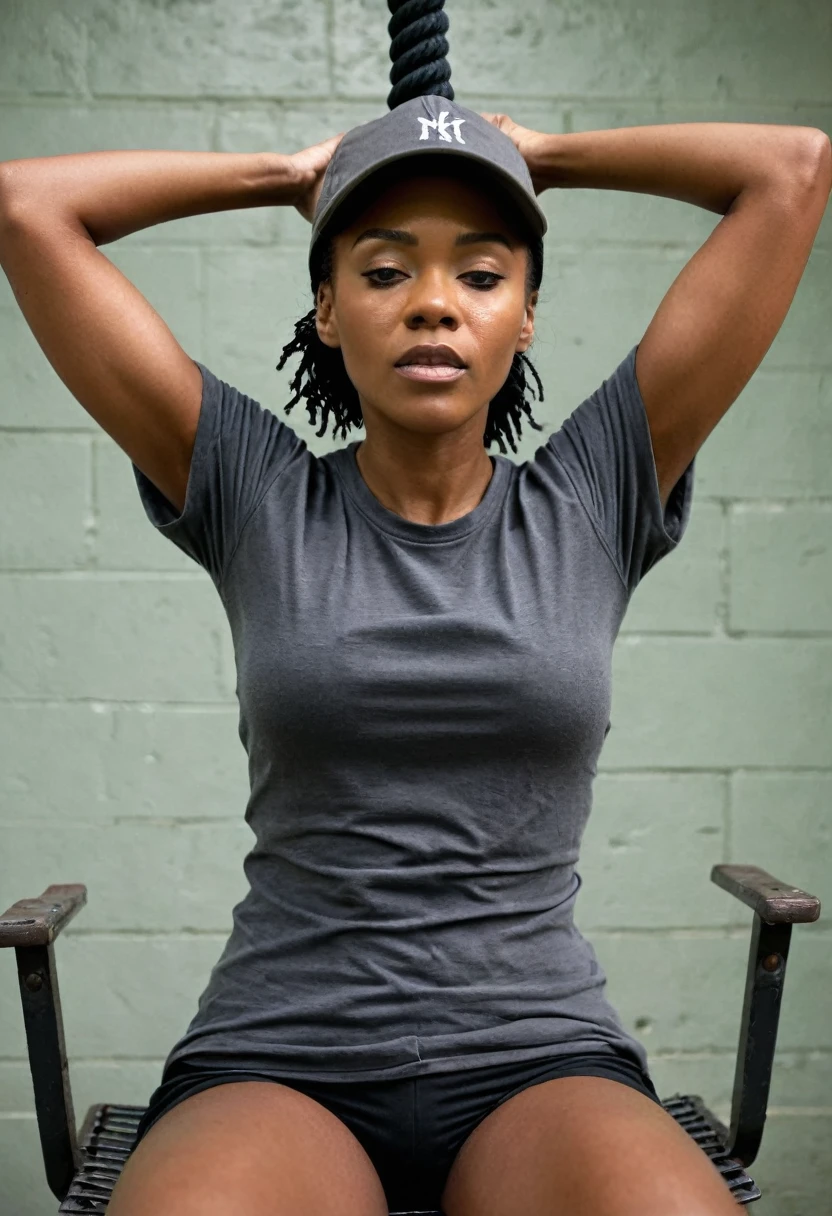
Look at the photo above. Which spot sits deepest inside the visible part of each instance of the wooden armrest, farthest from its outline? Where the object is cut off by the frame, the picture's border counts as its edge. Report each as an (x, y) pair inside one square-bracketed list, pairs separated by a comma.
[(774, 901), (37, 922)]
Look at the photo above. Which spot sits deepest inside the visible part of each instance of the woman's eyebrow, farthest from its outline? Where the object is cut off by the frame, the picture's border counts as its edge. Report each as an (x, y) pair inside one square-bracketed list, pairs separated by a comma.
[(473, 238), (387, 234), (407, 238)]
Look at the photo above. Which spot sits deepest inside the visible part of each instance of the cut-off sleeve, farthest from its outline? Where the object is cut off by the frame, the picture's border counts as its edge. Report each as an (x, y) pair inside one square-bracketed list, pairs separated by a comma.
[(606, 448), (239, 449)]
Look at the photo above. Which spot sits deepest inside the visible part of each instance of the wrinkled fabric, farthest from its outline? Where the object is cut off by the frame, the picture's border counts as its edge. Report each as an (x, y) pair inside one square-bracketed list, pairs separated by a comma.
[(423, 707)]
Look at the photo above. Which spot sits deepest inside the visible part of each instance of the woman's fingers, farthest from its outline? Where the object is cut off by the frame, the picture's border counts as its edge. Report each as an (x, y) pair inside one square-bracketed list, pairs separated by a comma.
[(333, 141), (313, 162), (500, 120)]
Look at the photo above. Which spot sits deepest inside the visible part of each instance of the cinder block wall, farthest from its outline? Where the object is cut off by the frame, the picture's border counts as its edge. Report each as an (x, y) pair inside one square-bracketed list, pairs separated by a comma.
[(121, 766)]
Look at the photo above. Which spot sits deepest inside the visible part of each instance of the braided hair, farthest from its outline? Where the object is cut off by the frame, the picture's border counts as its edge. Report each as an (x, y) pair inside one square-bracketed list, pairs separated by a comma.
[(418, 50)]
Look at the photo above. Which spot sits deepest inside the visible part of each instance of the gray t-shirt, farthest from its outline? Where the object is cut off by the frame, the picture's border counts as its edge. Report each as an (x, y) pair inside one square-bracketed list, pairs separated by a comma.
[(422, 706)]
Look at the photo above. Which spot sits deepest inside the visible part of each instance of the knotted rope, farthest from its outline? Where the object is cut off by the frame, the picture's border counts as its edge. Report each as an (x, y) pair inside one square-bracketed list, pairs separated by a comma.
[(418, 49)]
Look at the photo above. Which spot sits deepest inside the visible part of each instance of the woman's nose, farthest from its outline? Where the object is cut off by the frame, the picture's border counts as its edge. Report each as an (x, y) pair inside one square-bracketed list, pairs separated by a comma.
[(432, 301)]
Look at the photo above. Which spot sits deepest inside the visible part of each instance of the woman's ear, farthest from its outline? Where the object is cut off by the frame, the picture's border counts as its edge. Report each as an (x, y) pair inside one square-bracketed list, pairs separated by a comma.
[(524, 341), (325, 321)]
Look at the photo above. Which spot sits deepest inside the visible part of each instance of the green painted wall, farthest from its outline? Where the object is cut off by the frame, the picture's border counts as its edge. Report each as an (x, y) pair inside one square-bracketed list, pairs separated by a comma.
[(121, 765)]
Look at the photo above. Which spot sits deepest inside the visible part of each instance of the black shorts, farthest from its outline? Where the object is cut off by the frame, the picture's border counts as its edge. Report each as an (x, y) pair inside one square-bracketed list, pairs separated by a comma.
[(410, 1128)]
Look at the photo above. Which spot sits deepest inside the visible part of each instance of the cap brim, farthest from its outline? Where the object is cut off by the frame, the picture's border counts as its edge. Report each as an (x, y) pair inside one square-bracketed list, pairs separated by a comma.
[(530, 210)]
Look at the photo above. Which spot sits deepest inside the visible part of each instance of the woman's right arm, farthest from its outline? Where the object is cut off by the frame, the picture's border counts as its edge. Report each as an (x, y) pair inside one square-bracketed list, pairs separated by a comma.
[(112, 350)]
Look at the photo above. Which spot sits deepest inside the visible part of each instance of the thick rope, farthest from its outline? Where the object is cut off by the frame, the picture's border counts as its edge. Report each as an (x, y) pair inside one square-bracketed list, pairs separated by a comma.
[(418, 49)]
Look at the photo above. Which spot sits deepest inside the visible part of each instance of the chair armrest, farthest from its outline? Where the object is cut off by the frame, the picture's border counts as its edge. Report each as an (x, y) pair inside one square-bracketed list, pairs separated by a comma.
[(777, 907), (31, 926), (774, 901), (37, 922)]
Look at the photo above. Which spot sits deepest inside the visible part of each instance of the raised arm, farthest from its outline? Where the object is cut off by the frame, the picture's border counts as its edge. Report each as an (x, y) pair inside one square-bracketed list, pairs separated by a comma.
[(771, 184), (112, 350)]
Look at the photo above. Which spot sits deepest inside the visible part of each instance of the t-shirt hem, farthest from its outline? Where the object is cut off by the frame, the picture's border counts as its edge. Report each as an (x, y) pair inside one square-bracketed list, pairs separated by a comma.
[(461, 1062)]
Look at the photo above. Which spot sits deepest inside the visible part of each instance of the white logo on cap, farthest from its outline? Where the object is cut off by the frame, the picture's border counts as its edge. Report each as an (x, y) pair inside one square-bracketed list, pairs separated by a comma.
[(441, 127)]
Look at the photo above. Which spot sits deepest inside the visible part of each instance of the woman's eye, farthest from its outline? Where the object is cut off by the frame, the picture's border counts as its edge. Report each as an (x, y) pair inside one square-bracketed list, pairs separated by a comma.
[(391, 270), (485, 279), (488, 274)]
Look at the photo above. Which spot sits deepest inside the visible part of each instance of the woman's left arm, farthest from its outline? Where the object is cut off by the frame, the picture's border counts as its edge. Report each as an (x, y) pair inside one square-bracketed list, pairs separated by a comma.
[(771, 184)]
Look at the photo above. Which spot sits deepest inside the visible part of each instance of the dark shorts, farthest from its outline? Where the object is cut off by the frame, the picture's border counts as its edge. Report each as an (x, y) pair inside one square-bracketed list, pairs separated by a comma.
[(411, 1128)]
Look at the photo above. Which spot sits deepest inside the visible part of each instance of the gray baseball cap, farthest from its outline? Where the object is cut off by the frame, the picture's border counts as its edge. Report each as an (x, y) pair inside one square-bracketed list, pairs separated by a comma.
[(428, 124)]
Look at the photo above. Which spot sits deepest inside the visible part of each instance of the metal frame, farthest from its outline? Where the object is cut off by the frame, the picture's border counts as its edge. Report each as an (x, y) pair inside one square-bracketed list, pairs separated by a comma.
[(776, 908), (31, 926)]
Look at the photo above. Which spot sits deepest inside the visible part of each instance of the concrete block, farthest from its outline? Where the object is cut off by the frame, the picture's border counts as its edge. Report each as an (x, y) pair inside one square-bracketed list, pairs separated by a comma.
[(269, 48), (157, 877), (796, 543), (74, 738), (123, 995), (253, 298), (110, 637), (45, 495), (176, 762), (628, 50), (800, 1079), (25, 1189), (781, 821), (124, 537), (109, 764), (54, 127), (720, 703), (247, 128), (683, 990), (44, 49), (648, 849), (126, 1082), (792, 1169), (683, 591), (774, 440), (609, 50)]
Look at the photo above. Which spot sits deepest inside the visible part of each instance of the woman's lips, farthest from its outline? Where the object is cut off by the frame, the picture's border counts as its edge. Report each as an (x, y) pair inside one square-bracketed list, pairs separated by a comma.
[(430, 371)]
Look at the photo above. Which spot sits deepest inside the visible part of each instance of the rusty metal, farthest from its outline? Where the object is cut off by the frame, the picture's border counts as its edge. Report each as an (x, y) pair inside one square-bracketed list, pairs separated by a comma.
[(37, 922), (774, 901)]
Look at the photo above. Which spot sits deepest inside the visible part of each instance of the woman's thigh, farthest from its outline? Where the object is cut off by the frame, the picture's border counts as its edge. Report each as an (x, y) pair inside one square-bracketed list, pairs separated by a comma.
[(252, 1148), (583, 1146)]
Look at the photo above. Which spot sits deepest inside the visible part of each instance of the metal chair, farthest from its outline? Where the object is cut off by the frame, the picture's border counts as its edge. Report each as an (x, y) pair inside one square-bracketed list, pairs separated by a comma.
[(82, 1167)]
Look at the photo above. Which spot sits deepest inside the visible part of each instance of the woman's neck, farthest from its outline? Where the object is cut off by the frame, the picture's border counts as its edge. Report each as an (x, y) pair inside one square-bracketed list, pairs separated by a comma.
[(427, 484)]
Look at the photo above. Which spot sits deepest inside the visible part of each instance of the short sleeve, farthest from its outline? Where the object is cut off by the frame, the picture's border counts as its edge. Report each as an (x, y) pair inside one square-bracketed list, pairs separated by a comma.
[(239, 449), (606, 449)]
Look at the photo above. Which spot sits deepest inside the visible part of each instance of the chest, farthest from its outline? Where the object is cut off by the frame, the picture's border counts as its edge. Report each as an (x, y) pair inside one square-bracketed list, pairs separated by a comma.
[(348, 641)]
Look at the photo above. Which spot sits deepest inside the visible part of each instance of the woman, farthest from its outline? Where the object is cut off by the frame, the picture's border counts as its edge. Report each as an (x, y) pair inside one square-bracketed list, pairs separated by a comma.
[(405, 1013)]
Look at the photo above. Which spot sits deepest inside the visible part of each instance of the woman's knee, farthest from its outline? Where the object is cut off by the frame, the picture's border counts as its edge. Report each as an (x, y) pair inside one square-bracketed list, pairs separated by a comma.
[(254, 1148)]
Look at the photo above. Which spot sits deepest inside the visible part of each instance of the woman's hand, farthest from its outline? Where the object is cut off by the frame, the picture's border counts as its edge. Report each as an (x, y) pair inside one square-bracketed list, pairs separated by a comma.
[(531, 144), (310, 166)]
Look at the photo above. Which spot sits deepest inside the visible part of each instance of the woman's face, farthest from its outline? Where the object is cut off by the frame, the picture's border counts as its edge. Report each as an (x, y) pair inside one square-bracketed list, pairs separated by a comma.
[(431, 261)]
